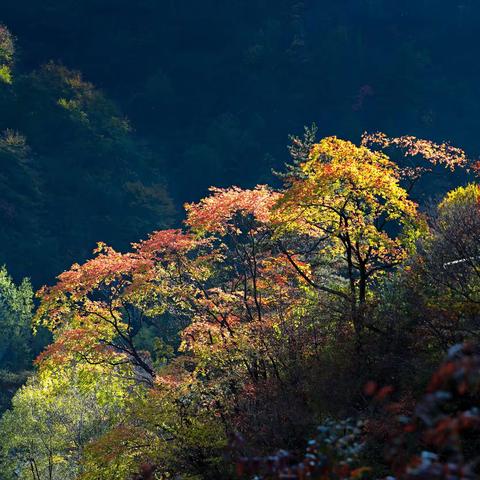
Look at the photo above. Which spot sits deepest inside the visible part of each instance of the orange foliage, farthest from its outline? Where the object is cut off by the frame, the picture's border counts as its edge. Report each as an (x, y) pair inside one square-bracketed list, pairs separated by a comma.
[(437, 154), (215, 213)]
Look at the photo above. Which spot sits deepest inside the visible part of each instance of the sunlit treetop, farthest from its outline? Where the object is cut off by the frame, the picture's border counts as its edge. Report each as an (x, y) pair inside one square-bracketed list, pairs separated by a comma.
[(468, 196), (110, 267), (458, 225), (103, 269), (345, 187), (349, 198), (166, 241), (217, 212)]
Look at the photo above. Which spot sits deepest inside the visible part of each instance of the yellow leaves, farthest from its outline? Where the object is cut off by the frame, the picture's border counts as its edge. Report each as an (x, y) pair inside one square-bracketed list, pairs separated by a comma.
[(342, 178), (68, 104), (58, 412), (344, 184), (468, 195), (350, 198)]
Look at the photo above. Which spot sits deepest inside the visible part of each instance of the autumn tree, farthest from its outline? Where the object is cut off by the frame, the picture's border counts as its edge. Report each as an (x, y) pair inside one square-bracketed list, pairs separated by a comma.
[(93, 313), (236, 221), (347, 202)]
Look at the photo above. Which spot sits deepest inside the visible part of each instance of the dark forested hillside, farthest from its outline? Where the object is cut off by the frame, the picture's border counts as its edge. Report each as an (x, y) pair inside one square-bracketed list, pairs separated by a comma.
[(211, 91)]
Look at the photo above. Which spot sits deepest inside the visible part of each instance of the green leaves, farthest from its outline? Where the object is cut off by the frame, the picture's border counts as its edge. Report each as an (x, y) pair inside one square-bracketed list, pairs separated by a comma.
[(7, 51), (16, 307), (56, 414)]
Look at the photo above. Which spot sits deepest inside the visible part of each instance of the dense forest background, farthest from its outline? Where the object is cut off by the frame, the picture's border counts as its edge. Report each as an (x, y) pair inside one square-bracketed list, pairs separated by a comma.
[(176, 96)]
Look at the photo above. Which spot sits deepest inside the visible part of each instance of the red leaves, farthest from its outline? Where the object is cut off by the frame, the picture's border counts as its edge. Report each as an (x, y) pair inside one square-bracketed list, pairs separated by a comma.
[(104, 268), (436, 154), (371, 389), (74, 345), (446, 420), (462, 374), (215, 214), (383, 393), (166, 241), (176, 270)]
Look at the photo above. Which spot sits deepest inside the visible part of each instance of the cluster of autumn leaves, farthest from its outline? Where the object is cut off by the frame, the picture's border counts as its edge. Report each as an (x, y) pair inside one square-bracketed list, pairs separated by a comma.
[(247, 259), (257, 281)]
